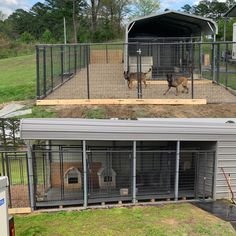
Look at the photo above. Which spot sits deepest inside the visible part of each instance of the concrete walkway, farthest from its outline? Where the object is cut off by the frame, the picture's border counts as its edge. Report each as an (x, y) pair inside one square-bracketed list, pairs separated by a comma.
[(221, 209)]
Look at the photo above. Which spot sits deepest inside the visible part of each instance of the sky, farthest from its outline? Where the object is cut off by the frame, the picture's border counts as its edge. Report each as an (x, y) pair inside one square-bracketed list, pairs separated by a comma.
[(8, 6)]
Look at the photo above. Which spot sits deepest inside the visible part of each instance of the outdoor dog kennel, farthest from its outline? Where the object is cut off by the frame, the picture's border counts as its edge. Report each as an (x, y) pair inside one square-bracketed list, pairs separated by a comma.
[(81, 162)]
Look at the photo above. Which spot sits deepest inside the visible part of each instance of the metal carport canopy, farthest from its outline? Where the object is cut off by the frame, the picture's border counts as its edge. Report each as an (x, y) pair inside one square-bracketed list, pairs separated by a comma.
[(127, 130), (171, 24), (231, 12)]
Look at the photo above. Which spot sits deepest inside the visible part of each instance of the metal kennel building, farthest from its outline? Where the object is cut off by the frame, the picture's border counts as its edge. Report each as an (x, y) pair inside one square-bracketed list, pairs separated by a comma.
[(81, 161), (163, 42)]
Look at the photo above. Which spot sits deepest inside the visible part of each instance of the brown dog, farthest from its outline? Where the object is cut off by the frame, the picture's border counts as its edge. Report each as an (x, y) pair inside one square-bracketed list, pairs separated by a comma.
[(176, 82), (131, 77)]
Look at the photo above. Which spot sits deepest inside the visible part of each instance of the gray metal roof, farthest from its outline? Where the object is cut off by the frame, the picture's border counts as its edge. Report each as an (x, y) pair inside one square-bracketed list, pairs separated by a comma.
[(231, 12), (172, 23), (85, 129)]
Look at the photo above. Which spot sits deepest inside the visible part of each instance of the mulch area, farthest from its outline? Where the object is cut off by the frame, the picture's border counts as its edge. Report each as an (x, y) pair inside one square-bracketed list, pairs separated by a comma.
[(106, 81), (19, 196)]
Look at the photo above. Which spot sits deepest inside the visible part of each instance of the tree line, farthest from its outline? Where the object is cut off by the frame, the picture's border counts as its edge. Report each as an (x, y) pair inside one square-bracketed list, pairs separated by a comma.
[(92, 20), (86, 20)]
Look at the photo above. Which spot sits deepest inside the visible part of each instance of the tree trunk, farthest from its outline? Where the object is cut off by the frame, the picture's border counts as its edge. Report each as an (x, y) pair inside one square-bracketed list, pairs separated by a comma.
[(75, 21)]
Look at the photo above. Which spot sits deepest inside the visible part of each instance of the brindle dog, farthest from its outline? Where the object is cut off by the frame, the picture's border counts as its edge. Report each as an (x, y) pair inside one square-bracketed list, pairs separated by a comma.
[(131, 77), (175, 82)]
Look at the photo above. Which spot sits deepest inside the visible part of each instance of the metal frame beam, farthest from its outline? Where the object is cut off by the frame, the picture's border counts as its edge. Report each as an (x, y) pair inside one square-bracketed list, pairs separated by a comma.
[(177, 171), (85, 174), (30, 174), (134, 172)]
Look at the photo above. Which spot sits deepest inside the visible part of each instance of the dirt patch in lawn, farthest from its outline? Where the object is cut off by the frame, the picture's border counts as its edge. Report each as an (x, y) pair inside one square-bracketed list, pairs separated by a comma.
[(135, 111), (170, 221)]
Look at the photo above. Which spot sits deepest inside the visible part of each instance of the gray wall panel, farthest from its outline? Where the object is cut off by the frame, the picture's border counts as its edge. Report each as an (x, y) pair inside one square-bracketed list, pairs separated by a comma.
[(227, 160)]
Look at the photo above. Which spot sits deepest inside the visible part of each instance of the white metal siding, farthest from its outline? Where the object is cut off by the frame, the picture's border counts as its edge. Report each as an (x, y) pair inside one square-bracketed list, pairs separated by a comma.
[(227, 160)]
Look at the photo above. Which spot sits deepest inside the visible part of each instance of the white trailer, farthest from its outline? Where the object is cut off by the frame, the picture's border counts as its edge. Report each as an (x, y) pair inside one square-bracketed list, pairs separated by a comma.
[(4, 229)]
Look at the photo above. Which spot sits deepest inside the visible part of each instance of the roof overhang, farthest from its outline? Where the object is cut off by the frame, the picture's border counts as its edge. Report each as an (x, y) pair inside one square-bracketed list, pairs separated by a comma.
[(231, 12), (171, 24), (126, 130)]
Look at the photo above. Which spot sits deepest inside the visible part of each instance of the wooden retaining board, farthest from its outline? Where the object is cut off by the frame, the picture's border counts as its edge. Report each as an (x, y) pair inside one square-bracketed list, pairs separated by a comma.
[(47, 102)]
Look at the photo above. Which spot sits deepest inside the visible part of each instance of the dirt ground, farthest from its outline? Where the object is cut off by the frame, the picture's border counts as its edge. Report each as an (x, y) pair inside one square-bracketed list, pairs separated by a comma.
[(135, 111)]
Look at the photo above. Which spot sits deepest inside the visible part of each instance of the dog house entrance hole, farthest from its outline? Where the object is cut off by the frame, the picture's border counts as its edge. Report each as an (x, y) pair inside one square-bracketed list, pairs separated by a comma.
[(72, 176)]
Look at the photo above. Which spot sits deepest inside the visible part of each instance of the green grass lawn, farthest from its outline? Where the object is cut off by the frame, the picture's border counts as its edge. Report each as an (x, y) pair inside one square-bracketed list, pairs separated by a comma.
[(170, 219), (17, 78)]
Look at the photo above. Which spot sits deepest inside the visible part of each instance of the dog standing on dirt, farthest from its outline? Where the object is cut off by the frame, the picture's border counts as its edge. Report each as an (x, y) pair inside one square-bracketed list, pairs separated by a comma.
[(175, 82), (131, 77)]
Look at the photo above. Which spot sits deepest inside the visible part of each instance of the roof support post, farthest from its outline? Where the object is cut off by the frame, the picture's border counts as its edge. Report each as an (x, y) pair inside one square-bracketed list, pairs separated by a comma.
[(134, 173), (85, 174), (177, 171), (30, 174)]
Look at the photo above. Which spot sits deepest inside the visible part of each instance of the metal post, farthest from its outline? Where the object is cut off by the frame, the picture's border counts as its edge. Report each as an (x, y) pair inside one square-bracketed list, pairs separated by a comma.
[(51, 54), (177, 171), (192, 63), (218, 64), (44, 73), (140, 82), (62, 63), (134, 172), (106, 54), (138, 70), (213, 59), (30, 174), (37, 72), (226, 65), (200, 58), (75, 58), (87, 64), (85, 174), (9, 179), (69, 58)]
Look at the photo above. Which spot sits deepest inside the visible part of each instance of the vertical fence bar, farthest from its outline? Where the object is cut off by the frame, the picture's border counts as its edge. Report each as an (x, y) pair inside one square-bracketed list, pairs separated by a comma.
[(69, 62), (80, 57), (51, 55), (134, 172), (44, 73), (28, 177), (37, 72), (138, 70), (177, 171), (61, 171), (9, 179), (85, 174), (213, 61), (218, 64), (200, 58), (140, 73), (32, 165), (87, 64), (75, 58), (62, 64), (226, 65), (106, 54), (192, 65)]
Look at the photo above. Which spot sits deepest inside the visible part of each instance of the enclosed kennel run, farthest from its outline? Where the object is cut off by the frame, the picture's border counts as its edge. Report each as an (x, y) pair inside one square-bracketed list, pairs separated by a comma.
[(83, 162), (165, 43)]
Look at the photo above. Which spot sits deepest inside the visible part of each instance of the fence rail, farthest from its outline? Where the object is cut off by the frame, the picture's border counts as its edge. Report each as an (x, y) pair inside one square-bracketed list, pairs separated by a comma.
[(96, 71)]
